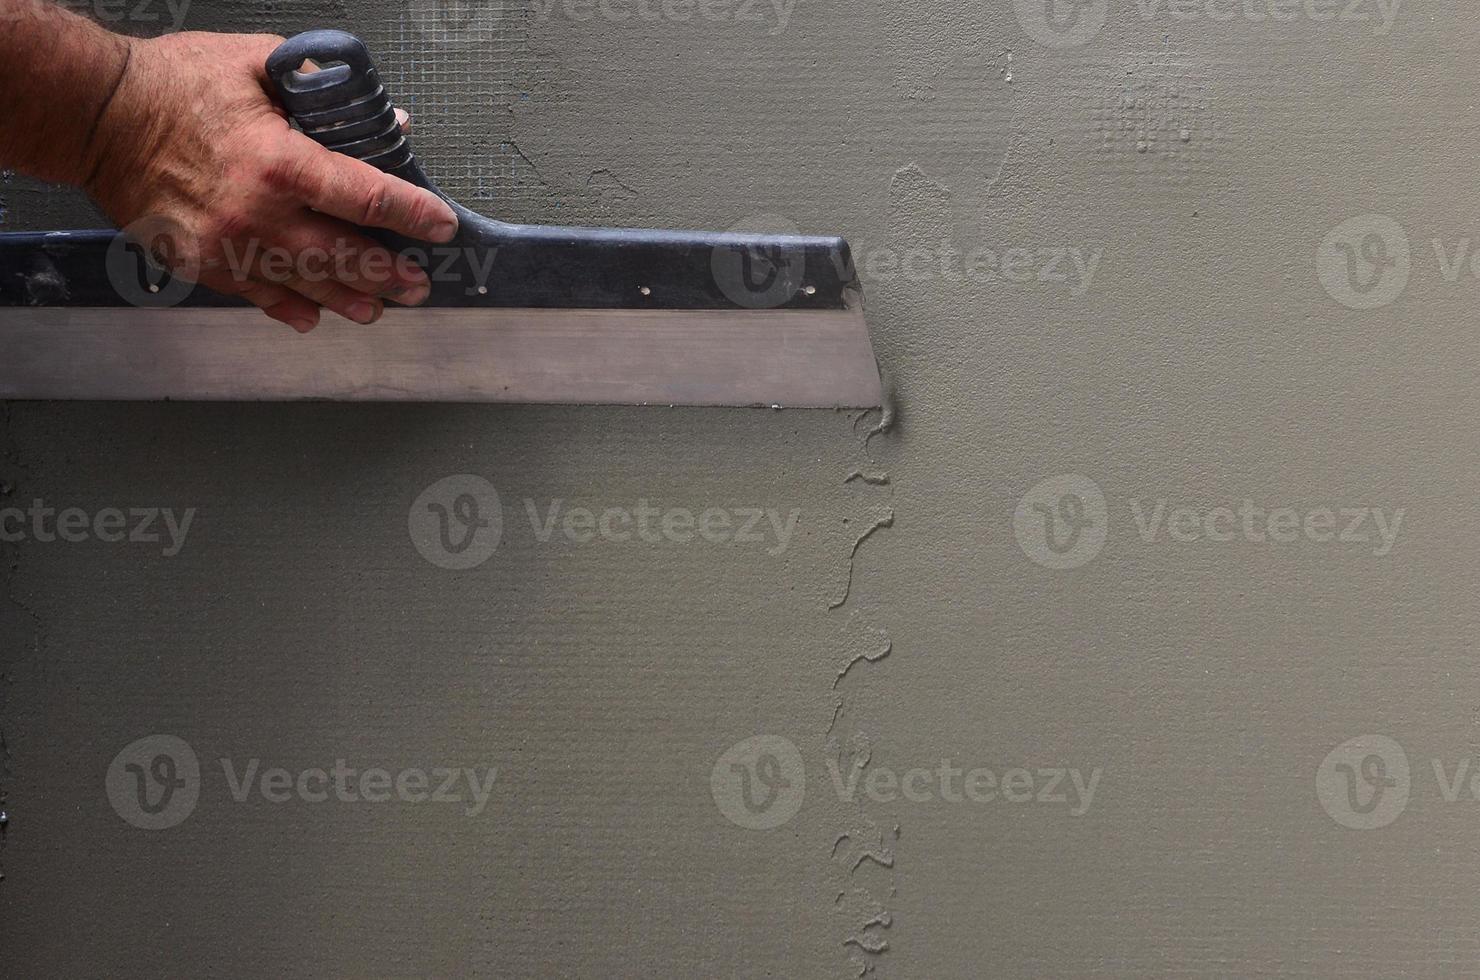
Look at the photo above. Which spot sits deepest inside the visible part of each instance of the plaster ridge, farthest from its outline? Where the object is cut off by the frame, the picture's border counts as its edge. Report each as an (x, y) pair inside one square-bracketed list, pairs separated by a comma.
[(871, 656), (886, 521), (854, 846)]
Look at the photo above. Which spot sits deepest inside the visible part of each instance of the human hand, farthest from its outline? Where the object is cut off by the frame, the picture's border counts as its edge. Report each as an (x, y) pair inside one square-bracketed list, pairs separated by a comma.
[(193, 140)]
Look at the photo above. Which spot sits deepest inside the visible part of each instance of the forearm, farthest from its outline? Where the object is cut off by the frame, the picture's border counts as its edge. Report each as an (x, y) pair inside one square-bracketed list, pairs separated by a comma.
[(58, 72)]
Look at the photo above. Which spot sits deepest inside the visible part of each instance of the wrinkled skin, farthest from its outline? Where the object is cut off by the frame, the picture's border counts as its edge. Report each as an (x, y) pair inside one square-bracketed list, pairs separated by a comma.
[(193, 148)]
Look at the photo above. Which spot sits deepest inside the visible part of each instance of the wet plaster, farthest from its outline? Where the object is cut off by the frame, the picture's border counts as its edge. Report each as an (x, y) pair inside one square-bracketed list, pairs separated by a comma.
[(1189, 353)]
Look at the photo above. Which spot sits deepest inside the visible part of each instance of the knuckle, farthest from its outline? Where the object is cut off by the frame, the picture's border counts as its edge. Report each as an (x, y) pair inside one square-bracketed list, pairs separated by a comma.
[(293, 173), (320, 291), (375, 204), (419, 212)]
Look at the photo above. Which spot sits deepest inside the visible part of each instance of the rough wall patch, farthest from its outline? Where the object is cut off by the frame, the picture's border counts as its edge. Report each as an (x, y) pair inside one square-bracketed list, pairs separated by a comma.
[(861, 846), (1157, 109)]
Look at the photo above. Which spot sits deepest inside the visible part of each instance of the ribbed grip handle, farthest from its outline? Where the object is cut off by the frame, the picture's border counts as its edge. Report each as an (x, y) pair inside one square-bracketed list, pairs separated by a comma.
[(343, 106)]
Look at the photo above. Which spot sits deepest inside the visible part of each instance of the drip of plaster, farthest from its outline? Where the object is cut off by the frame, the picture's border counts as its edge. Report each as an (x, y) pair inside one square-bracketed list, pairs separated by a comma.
[(837, 711), (863, 916), (880, 647), (867, 843), (887, 413), (863, 846), (886, 521), (869, 942)]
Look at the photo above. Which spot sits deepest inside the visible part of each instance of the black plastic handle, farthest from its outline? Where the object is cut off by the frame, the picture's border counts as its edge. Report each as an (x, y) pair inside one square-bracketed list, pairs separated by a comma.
[(343, 106)]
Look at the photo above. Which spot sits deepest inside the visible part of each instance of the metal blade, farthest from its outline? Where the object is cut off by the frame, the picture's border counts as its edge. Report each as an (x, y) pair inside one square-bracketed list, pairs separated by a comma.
[(790, 358)]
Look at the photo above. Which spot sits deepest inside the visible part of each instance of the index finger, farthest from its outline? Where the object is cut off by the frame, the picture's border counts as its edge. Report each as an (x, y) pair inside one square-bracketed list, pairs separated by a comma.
[(352, 190)]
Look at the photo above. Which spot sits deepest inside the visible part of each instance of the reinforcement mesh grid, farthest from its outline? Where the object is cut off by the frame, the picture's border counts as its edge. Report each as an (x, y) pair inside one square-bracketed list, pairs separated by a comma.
[(460, 67)]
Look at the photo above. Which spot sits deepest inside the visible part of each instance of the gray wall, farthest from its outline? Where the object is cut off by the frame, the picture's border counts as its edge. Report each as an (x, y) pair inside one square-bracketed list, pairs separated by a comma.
[(1223, 679)]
